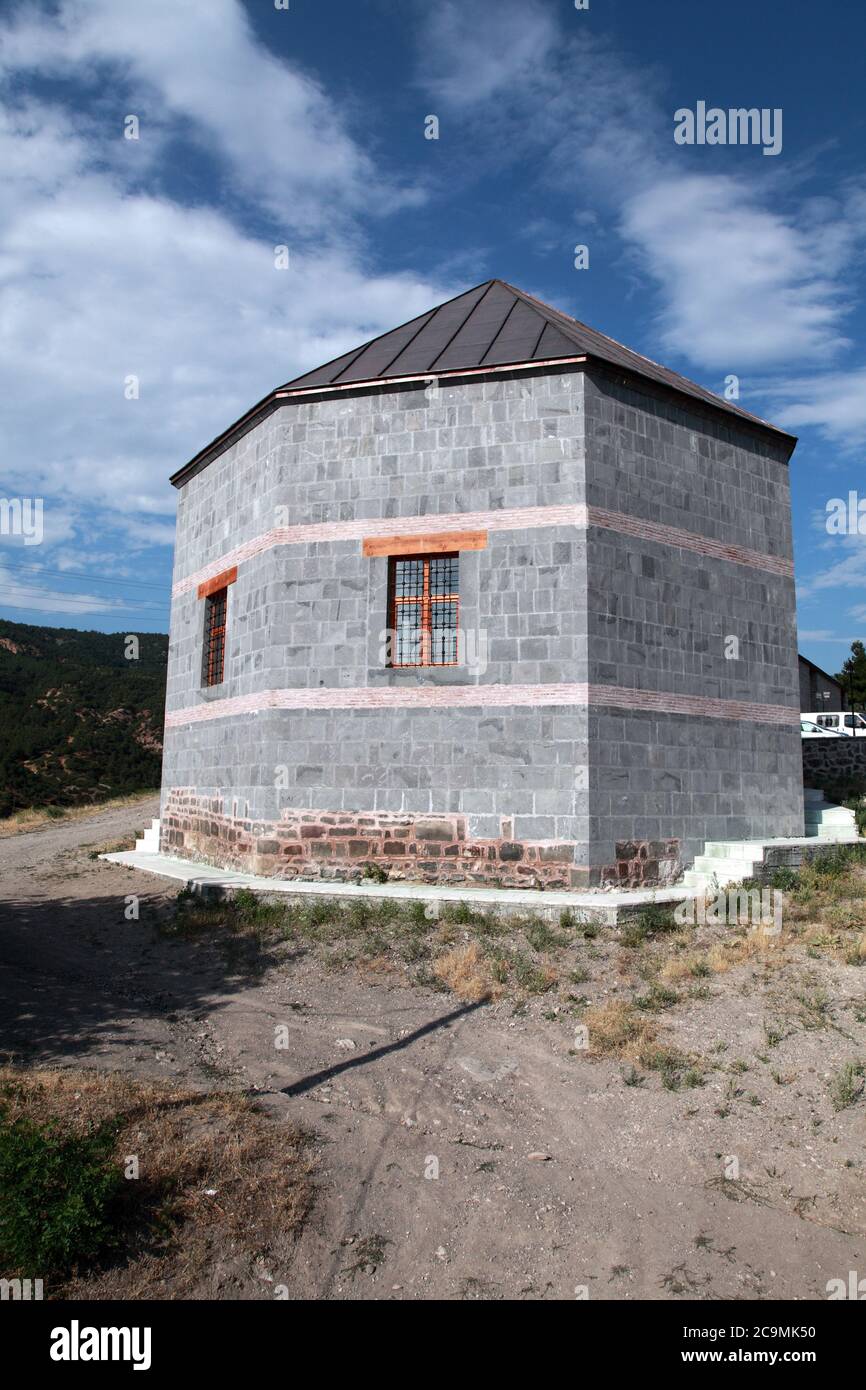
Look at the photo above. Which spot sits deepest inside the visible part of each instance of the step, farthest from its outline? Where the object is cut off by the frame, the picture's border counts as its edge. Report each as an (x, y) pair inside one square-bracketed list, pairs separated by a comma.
[(725, 870), (812, 797), (148, 843), (830, 815), (735, 849)]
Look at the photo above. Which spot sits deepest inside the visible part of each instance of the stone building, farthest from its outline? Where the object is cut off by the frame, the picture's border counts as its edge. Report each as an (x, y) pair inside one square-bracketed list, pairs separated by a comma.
[(489, 599), (818, 690)]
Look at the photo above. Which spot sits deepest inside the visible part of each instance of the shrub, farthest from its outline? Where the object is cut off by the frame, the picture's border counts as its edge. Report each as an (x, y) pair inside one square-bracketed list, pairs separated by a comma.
[(846, 1087), (375, 873), (58, 1195)]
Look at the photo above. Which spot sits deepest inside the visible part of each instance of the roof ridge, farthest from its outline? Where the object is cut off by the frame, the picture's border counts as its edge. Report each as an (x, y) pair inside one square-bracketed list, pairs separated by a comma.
[(417, 347), (427, 313)]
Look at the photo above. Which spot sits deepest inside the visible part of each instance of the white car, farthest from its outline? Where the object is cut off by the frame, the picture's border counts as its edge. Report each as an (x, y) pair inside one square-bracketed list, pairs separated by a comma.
[(838, 722), (809, 729)]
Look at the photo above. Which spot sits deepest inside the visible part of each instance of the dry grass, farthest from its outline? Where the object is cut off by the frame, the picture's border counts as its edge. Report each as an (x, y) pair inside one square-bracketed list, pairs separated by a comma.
[(188, 1145), (617, 1029), (466, 972), (38, 817)]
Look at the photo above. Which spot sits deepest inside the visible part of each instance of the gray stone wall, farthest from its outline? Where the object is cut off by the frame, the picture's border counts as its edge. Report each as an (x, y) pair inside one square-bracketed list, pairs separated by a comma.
[(659, 617)]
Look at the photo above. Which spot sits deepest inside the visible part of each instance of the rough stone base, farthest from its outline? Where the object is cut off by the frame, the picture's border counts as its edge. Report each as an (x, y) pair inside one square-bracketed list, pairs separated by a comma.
[(350, 846), (643, 862), (835, 766)]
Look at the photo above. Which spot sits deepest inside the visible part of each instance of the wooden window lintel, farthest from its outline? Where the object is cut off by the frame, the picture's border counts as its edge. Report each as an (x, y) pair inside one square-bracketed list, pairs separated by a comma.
[(433, 543), (219, 581)]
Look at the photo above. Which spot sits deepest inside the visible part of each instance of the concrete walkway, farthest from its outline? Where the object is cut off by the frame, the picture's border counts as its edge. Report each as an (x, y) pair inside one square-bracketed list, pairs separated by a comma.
[(604, 906)]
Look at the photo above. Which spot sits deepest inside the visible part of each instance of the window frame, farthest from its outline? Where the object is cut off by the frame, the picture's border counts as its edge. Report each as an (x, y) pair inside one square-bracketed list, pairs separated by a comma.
[(214, 645), (426, 603)]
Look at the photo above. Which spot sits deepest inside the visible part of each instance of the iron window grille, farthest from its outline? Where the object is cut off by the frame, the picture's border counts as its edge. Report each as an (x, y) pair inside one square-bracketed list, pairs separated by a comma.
[(215, 637), (424, 608)]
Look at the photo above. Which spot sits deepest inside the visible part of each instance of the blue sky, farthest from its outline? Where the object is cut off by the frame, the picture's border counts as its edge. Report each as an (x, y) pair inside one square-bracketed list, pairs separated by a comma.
[(154, 258)]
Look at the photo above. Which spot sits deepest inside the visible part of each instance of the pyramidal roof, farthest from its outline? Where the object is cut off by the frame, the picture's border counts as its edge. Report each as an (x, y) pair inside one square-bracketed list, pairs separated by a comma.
[(493, 325), (490, 327)]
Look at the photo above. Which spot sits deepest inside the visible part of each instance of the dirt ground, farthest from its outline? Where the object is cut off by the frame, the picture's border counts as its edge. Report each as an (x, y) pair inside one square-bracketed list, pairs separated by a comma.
[(465, 1150)]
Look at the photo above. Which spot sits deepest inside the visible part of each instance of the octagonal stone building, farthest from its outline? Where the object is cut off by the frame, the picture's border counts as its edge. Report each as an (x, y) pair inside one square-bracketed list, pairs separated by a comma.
[(489, 599)]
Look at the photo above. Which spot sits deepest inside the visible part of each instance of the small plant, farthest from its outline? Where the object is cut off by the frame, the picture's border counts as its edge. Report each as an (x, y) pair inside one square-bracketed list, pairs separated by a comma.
[(375, 873), (542, 937), (657, 998), (648, 922), (783, 879), (847, 1085), (58, 1195)]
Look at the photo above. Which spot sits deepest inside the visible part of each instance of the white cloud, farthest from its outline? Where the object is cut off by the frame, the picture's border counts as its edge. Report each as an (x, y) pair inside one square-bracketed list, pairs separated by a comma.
[(105, 275), (199, 63), (746, 275), (473, 53), (834, 402), (740, 282)]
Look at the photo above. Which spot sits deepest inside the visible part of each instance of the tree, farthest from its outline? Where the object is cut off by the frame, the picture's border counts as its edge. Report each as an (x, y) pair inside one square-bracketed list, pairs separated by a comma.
[(853, 677)]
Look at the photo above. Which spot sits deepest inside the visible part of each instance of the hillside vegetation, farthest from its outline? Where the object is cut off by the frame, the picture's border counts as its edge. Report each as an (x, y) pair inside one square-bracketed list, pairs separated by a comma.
[(79, 720)]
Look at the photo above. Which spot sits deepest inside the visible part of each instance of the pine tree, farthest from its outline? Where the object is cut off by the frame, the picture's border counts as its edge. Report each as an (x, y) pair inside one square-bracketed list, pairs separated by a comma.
[(853, 677)]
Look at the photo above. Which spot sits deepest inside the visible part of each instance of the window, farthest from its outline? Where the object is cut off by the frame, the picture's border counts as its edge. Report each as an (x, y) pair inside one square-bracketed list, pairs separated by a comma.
[(424, 606), (215, 636)]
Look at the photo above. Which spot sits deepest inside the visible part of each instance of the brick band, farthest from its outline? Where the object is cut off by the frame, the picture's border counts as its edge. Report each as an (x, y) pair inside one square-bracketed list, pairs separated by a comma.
[(506, 519), (486, 696)]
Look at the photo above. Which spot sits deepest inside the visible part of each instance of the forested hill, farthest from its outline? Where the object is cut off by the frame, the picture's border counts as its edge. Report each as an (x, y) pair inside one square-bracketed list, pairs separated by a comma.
[(79, 720)]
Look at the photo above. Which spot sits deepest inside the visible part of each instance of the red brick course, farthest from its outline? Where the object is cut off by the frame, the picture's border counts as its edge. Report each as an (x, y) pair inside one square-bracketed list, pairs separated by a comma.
[(427, 849)]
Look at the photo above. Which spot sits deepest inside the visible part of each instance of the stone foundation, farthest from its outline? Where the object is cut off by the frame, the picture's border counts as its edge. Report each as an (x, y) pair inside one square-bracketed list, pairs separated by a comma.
[(426, 849), (643, 863)]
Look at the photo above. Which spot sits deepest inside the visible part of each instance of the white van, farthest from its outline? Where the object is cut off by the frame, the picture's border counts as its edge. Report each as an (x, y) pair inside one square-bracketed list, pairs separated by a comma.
[(840, 722), (809, 729)]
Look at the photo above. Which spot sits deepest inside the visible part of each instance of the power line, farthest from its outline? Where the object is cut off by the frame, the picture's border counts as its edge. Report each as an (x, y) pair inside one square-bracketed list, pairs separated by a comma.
[(80, 613), (77, 605), (84, 574), (68, 598)]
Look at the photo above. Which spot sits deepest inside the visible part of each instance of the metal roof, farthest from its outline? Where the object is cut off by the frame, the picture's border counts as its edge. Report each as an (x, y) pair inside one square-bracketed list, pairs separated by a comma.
[(490, 328), (493, 325)]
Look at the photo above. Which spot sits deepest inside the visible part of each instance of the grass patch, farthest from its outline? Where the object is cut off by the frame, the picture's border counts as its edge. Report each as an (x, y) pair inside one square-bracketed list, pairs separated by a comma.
[(216, 1179), (59, 1195), (472, 953)]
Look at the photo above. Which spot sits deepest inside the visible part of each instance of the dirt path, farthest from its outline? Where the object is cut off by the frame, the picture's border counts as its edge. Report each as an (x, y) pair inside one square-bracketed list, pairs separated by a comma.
[(400, 1084)]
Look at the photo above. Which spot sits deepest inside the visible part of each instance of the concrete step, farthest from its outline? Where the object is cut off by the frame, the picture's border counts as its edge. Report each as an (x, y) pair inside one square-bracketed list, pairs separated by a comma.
[(724, 869), (811, 797), (829, 815), (148, 843), (735, 849)]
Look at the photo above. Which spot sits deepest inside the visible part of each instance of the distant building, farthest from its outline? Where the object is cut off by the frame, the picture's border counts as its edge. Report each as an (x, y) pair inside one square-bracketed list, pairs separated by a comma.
[(818, 691), (488, 599)]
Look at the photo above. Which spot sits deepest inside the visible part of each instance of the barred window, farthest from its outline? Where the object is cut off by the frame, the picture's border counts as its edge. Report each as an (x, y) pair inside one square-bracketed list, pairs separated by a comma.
[(424, 609), (215, 636)]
